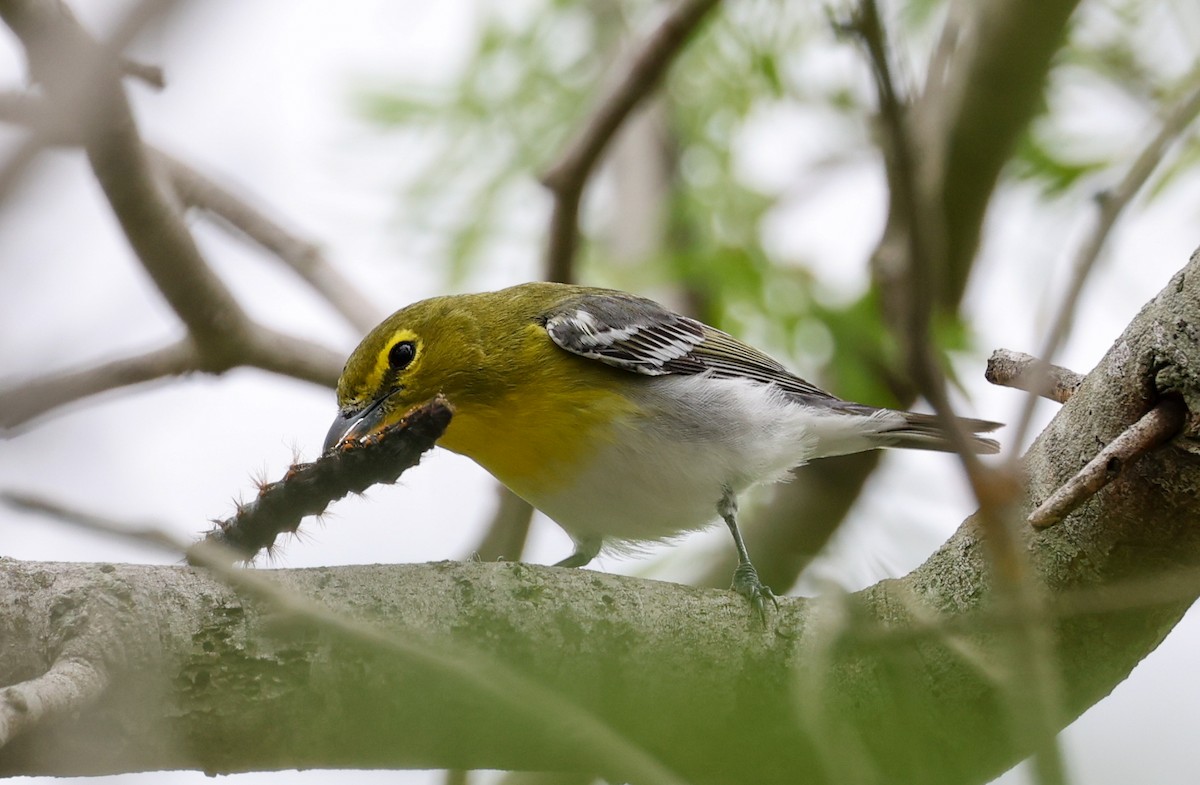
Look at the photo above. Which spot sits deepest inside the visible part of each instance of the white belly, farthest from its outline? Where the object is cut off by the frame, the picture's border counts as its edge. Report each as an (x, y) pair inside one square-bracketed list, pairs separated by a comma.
[(663, 471)]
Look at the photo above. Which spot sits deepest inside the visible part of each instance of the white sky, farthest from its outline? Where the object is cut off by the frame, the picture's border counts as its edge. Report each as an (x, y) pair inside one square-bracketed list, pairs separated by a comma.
[(259, 95)]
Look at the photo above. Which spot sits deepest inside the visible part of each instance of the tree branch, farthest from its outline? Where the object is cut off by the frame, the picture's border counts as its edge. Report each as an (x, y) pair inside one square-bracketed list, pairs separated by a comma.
[(567, 177), (216, 678), (1026, 372), (303, 256), (974, 109), (69, 687), (86, 102), (24, 402), (1111, 206), (1153, 430)]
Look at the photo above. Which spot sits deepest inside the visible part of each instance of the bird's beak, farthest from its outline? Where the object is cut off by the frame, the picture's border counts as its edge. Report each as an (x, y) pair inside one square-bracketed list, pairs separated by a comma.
[(354, 425)]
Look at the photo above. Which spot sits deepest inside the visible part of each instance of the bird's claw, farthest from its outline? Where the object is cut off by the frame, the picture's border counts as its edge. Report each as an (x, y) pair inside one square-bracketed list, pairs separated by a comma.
[(747, 584)]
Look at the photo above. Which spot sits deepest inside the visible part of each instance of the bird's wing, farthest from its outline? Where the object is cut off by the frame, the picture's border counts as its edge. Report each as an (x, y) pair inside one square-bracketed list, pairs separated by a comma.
[(639, 335)]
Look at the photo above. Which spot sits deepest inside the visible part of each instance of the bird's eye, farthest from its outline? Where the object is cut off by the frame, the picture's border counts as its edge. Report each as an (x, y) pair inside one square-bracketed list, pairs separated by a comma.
[(401, 355)]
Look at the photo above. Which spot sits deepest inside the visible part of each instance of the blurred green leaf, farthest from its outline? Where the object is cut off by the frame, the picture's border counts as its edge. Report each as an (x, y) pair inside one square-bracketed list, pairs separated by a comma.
[(1037, 162)]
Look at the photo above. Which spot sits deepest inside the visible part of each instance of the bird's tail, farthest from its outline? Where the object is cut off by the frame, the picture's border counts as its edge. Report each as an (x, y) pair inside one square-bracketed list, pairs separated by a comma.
[(924, 432)]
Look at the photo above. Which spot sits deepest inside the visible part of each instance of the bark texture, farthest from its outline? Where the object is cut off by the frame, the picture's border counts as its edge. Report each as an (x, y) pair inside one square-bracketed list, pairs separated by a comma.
[(907, 681)]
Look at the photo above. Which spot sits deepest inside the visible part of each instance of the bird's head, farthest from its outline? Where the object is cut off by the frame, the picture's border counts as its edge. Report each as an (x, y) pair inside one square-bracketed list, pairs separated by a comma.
[(416, 353), (469, 348)]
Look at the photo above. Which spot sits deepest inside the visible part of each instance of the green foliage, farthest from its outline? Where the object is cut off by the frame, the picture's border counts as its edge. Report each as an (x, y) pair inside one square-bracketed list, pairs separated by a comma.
[(1046, 163), (1109, 56), (533, 74)]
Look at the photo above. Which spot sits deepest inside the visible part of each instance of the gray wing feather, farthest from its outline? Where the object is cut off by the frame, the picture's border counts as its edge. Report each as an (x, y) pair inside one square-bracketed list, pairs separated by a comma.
[(639, 335)]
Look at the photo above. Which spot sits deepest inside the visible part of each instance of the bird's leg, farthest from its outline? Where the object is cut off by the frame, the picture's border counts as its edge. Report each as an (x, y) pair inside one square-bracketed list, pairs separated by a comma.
[(745, 577), (586, 549)]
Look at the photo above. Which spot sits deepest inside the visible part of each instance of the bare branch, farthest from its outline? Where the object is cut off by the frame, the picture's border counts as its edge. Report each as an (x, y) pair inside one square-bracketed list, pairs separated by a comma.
[(287, 355), (142, 534), (1111, 205), (1155, 428), (974, 108), (914, 245), (151, 75), (266, 349), (22, 403), (303, 256), (135, 188), (69, 686), (1007, 368), (85, 104), (567, 177)]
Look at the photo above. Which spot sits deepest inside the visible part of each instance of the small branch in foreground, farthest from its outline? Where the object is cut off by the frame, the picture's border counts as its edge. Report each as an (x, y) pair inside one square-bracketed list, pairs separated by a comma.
[(918, 227), (1021, 371), (1154, 429), (568, 175), (308, 488)]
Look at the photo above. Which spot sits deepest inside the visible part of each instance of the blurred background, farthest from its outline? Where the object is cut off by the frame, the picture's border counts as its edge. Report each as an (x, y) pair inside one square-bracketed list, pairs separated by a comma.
[(405, 138)]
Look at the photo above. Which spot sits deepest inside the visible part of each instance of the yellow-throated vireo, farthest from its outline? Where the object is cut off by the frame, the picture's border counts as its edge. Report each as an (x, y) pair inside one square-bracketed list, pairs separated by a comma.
[(621, 420)]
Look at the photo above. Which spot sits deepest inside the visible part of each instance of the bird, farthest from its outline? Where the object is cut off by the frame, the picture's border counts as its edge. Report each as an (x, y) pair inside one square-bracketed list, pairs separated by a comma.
[(624, 422)]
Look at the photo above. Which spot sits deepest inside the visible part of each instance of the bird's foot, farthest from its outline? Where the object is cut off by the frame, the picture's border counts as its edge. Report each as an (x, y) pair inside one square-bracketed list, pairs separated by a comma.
[(586, 549), (747, 584)]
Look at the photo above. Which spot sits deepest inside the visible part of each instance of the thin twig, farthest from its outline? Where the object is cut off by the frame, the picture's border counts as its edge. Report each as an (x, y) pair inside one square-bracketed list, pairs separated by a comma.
[(916, 219), (304, 257), (1110, 206), (84, 88), (267, 349), (33, 398), (142, 534), (567, 177), (1020, 371), (1154, 429), (145, 73), (917, 226)]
